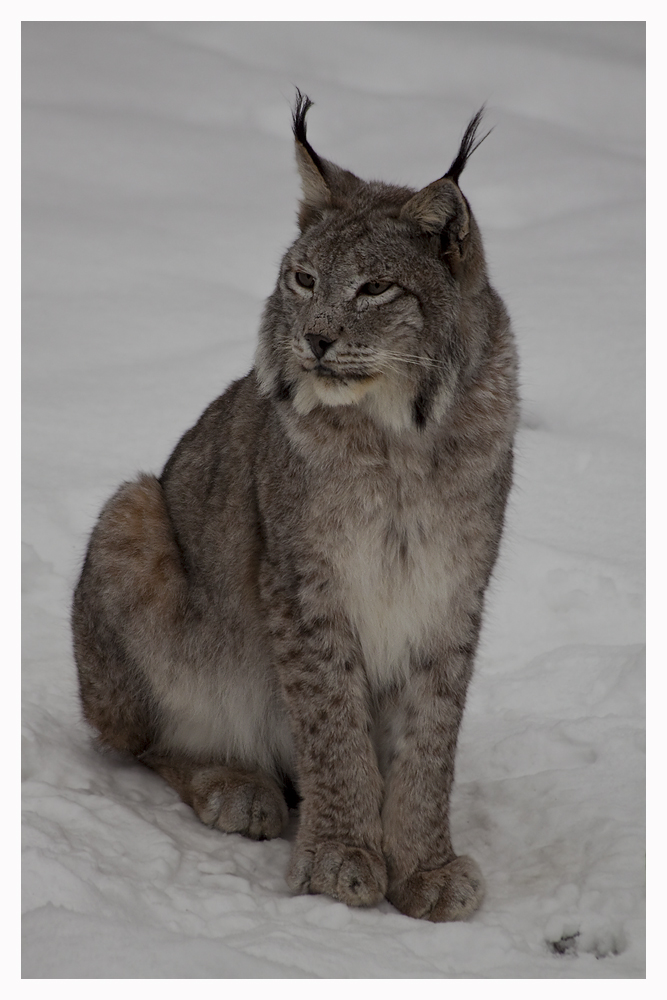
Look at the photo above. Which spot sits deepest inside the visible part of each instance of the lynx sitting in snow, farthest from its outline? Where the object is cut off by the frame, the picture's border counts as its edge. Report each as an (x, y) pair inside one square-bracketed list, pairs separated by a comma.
[(294, 605)]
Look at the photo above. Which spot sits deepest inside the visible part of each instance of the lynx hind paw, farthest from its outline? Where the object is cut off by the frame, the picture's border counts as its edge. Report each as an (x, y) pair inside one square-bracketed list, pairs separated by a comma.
[(236, 802), (452, 892), (353, 875)]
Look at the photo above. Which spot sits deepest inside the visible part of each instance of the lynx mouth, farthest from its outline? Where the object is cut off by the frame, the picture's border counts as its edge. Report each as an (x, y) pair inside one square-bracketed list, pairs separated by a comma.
[(325, 373)]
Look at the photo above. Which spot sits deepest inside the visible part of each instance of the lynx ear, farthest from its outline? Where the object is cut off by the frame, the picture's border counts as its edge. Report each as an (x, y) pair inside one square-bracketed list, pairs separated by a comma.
[(435, 206), (316, 190), (324, 185), (440, 208)]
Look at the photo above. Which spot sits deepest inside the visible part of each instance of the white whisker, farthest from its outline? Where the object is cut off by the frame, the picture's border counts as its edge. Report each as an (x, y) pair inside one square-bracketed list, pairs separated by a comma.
[(414, 359)]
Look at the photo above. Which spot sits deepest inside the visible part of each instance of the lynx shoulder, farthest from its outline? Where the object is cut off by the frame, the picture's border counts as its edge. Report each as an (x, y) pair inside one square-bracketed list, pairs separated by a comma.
[(289, 614)]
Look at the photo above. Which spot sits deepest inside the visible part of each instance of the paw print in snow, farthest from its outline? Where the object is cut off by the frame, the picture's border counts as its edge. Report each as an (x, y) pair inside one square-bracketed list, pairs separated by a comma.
[(591, 935)]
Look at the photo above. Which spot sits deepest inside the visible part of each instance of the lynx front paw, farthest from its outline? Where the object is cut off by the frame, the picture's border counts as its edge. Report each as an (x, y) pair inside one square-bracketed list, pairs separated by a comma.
[(353, 875), (236, 802), (452, 892)]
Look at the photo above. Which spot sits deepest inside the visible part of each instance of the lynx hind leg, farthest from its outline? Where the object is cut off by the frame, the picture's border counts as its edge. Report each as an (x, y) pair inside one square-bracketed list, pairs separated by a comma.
[(134, 555), (129, 603), (226, 797)]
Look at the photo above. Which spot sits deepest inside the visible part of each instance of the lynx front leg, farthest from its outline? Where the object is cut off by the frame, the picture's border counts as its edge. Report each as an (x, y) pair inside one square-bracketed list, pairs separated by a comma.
[(426, 878), (338, 849)]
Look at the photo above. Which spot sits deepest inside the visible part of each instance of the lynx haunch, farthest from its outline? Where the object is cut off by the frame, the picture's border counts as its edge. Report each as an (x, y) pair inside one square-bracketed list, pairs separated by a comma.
[(290, 612)]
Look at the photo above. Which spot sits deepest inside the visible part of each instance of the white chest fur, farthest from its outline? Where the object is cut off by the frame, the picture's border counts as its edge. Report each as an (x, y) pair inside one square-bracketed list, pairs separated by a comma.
[(397, 575)]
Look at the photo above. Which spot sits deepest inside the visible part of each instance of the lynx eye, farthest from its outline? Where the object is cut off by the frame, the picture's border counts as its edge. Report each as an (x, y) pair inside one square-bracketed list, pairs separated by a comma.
[(304, 279), (375, 287)]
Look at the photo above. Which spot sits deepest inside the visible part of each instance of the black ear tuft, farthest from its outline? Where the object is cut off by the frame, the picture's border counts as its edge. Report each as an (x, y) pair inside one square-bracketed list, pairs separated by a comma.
[(299, 112), (467, 147)]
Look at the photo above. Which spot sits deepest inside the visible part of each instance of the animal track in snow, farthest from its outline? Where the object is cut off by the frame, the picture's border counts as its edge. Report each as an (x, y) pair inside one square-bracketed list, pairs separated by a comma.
[(572, 936)]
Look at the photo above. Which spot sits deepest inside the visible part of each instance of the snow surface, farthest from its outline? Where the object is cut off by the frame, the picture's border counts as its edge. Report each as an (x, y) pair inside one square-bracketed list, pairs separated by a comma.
[(160, 192)]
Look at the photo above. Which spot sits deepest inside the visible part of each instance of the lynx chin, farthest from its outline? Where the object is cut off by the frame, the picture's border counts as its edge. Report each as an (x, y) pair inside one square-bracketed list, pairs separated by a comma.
[(290, 612)]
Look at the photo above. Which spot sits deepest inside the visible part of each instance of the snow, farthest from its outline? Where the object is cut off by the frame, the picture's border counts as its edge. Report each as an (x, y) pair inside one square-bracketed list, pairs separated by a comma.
[(159, 194)]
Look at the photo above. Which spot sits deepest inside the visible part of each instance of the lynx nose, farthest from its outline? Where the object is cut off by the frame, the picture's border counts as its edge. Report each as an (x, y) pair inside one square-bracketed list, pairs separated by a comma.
[(319, 345)]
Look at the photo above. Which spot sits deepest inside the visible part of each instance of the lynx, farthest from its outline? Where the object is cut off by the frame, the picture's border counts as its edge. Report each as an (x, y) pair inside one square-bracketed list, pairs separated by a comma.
[(289, 614)]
